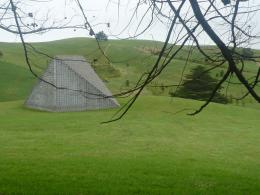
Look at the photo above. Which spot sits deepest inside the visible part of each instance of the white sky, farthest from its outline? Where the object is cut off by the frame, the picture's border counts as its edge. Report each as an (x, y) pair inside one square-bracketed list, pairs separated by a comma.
[(98, 11)]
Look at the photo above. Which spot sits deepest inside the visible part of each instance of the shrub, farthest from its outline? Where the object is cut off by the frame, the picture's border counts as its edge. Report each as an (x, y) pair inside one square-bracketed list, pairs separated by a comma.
[(101, 36), (200, 86), (127, 83), (247, 53)]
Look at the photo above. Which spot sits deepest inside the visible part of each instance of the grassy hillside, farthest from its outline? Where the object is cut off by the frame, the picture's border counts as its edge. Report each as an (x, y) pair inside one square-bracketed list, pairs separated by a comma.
[(129, 59), (155, 149), (215, 152), (15, 82)]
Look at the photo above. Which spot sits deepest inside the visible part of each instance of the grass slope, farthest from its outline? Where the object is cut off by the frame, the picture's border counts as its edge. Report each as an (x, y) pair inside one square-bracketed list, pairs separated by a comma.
[(15, 82), (154, 150), (130, 58), (151, 151)]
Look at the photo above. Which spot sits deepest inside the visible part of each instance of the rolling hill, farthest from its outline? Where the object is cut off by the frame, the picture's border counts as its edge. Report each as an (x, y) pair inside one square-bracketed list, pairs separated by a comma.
[(155, 149), (128, 60)]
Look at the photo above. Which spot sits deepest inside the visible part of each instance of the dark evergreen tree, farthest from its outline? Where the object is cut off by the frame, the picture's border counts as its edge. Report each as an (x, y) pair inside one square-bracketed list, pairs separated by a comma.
[(199, 86), (247, 53), (101, 36)]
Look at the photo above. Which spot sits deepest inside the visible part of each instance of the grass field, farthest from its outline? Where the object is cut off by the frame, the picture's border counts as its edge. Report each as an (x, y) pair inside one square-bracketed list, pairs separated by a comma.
[(128, 60), (155, 149), (151, 151)]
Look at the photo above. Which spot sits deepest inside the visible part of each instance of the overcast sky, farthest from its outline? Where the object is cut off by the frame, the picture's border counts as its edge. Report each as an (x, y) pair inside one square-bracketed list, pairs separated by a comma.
[(98, 12)]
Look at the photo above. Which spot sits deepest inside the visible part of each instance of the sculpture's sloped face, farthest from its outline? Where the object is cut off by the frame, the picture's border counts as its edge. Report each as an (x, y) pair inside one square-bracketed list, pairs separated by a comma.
[(77, 88)]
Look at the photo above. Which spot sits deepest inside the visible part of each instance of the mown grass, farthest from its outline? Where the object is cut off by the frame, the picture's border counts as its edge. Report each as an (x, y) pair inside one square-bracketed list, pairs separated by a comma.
[(153, 150)]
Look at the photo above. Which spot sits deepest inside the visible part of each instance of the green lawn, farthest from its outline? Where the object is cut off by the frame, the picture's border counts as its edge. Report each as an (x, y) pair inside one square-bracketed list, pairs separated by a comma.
[(155, 149), (152, 150)]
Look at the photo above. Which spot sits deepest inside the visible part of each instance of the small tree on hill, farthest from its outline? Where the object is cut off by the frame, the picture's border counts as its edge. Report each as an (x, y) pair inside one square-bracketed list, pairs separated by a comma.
[(247, 53), (1, 54), (199, 86), (101, 36)]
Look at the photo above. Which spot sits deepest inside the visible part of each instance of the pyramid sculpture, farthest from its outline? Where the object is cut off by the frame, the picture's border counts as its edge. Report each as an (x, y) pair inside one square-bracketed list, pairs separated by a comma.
[(77, 87)]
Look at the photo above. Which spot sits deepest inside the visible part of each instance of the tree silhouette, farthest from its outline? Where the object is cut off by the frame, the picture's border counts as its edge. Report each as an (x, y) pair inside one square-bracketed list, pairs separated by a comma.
[(101, 36), (199, 86), (247, 53)]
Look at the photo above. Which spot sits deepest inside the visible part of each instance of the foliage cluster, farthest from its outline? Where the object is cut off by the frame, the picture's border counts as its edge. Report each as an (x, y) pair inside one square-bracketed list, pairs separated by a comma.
[(199, 86), (101, 36)]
